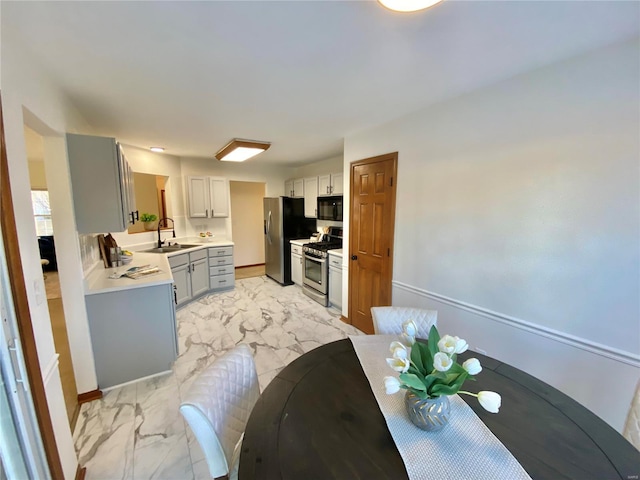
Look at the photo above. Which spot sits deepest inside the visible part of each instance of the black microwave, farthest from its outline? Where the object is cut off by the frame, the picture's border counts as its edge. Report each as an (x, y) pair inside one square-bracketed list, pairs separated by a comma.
[(330, 208)]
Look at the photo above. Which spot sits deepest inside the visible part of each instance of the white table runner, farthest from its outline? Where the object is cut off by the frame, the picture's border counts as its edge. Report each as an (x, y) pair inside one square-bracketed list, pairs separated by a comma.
[(463, 449)]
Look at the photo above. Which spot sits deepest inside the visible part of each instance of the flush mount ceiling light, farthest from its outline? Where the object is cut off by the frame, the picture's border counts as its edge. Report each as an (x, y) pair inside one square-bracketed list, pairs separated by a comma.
[(156, 149), (408, 5), (239, 150)]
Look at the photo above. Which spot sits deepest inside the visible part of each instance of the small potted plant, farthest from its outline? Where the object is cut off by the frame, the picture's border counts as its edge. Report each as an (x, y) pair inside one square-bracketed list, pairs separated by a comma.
[(150, 221), (430, 373)]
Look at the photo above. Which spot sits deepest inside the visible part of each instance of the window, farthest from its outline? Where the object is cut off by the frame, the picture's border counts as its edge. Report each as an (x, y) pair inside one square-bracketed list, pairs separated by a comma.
[(42, 212)]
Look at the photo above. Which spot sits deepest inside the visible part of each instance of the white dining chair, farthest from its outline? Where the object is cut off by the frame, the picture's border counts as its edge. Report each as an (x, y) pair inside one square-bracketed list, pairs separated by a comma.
[(632, 426), (389, 320), (217, 407)]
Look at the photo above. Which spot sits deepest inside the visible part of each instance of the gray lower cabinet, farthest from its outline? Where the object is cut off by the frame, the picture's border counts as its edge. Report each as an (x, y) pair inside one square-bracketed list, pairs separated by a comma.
[(190, 274), (222, 274), (133, 333)]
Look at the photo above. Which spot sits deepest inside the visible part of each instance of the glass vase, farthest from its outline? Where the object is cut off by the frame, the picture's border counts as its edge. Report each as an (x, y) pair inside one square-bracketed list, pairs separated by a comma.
[(430, 414)]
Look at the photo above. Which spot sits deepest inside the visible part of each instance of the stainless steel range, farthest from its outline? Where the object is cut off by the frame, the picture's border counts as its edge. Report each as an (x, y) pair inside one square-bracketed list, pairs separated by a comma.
[(315, 278)]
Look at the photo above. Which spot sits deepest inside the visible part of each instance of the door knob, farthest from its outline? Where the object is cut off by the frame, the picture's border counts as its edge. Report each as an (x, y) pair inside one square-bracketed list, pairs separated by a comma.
[(354, 257)]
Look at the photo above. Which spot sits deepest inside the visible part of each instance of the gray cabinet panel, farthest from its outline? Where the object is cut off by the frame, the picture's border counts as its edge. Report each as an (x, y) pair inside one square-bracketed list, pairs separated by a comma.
[(133, 333), (182, 281), (199, 277), (100, 180)]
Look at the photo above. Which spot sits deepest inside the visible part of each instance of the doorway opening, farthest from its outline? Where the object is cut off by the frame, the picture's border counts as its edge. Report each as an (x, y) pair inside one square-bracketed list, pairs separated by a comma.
[(246, 227), (43, 214)]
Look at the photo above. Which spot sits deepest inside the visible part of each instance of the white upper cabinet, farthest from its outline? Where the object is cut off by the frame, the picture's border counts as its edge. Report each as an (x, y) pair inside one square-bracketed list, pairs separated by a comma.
[(288, 188), (311, 197), (294, 188), (102, 184), (198, 197), (330, 184), (208, 197), (219, 197)]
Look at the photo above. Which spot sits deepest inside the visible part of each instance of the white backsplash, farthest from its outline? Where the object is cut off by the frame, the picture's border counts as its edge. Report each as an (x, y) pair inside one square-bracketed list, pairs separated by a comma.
[(89, 250)]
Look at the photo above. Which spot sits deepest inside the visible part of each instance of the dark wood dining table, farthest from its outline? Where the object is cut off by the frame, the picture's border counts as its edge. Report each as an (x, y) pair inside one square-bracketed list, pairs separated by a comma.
[(319, 419)]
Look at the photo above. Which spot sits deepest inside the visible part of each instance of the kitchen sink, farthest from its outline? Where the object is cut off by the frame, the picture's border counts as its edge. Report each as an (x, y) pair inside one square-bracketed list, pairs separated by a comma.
[(170, 248)]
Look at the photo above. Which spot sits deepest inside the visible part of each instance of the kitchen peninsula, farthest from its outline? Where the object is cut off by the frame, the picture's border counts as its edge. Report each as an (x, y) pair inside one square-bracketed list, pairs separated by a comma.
[(133, 321)]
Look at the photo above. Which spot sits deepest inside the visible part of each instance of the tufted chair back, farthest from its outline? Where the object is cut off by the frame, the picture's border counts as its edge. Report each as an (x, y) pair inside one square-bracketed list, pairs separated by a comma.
[(388, 320), (217, 407), (632, 426)]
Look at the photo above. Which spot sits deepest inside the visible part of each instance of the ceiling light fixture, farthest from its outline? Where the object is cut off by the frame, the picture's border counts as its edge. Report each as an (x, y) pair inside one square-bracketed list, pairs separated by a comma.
[(156, 149), (239, 150), (408, 5)]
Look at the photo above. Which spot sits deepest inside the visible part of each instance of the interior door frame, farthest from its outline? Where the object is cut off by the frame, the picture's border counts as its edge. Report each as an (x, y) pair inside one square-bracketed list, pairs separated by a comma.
[(23, 314), (392, 224)]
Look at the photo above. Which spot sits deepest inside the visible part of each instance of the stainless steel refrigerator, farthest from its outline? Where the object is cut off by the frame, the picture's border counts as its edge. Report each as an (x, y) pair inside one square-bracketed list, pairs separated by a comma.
[(284, 220)]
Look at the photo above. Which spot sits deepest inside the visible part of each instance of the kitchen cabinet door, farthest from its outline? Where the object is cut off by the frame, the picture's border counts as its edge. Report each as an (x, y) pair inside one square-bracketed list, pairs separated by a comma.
[(311, 197), (298, 187), (98, 173), (296, 269), (288, 188), (199, 277), (219, 197), (324, 185), (336, 184), (335, 287), (198, 190), (182, 282), (330, 184)]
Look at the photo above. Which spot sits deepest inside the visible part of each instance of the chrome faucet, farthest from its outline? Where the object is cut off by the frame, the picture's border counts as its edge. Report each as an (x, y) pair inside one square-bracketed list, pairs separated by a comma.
[(173, 224)]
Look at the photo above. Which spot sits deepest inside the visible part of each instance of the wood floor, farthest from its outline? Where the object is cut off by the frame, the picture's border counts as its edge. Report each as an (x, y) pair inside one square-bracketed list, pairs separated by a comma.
[(248, 272), (61, 342)]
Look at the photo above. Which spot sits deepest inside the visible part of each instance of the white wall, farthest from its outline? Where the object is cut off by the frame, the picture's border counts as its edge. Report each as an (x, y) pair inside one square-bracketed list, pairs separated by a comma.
[(323, 167), (29, 97), (517, 217)]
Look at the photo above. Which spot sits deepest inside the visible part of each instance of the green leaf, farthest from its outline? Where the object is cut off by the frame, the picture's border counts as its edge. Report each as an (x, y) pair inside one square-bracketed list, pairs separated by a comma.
[(434, 338), (441, 389), (416, 356), (429, 380), (412, 381), (427, 358)]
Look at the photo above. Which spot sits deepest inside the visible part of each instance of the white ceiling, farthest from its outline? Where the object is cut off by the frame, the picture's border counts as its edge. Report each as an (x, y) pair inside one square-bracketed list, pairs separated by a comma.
[(190, 76)]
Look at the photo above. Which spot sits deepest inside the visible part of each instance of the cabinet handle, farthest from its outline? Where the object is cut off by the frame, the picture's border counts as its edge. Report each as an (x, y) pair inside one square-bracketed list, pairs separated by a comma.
[(175, 295), (193, 267), (137, 215), (221, 260), (222, 270), (189, 268), (328, 189), (223, 281)]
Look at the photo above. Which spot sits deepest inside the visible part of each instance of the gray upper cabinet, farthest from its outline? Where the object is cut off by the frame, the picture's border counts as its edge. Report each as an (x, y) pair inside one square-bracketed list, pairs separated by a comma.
[(102, 184), (208, 197)]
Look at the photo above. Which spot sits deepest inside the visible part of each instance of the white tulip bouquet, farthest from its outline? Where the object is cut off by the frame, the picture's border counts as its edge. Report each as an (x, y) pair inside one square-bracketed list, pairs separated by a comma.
[(431, 370)]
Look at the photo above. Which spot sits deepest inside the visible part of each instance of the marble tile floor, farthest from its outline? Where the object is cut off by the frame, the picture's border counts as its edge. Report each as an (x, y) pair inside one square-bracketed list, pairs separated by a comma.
[(136, 431)]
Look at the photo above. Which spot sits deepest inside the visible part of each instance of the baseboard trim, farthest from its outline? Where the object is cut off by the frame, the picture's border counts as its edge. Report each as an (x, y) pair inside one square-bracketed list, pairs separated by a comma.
[(248, 266), (345, 319), (81, 472), (618, 355), (89, 396)]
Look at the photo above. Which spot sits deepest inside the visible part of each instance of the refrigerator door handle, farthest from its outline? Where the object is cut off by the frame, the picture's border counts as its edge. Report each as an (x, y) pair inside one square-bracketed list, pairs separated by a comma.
[(269, 228)]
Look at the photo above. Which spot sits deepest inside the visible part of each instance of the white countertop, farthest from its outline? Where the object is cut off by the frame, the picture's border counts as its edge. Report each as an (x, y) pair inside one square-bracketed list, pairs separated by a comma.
[(300, 242), (337, 252), (98, 281)]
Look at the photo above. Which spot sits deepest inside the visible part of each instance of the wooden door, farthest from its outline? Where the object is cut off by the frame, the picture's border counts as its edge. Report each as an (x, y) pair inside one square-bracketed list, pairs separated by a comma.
[(373, 198)]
